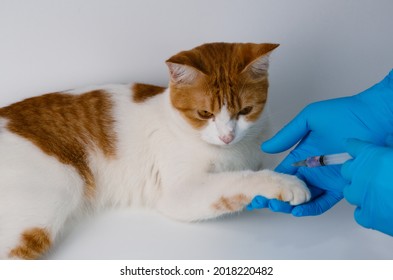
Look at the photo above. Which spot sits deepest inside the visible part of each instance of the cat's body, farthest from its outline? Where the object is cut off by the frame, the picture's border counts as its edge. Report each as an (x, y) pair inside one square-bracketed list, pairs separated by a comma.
[(137, 145)]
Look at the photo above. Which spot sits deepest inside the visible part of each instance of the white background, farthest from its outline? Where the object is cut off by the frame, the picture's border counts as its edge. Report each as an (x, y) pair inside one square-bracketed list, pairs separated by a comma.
[(328, 49)]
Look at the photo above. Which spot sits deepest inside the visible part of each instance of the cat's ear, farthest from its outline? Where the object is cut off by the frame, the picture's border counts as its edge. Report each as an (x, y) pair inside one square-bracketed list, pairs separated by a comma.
[(182, 74), (258, 67)]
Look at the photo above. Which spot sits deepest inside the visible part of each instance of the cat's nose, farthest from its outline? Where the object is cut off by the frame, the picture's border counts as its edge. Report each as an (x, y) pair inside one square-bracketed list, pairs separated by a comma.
[(227, 138)]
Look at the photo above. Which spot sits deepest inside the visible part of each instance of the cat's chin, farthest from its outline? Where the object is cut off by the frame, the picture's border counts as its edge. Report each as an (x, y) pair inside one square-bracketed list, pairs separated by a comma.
[(226, 146), (219, 143)]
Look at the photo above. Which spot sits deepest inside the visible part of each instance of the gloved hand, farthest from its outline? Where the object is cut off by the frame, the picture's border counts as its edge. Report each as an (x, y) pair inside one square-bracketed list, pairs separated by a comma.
[(371, 184), (321, 127)]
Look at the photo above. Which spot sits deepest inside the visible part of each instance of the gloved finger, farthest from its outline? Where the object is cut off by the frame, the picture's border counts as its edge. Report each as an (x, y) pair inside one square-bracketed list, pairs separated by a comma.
[(288, 136), (347, 170), (258, 202), (353, 195), (327, 178), (315, 192), (355, 146), (361, 218), (276, 205), (318, 205)]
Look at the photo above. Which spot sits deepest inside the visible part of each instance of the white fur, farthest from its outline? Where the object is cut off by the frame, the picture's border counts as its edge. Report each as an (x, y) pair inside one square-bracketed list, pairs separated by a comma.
[(224, 130), (161, 163), (35, 191)]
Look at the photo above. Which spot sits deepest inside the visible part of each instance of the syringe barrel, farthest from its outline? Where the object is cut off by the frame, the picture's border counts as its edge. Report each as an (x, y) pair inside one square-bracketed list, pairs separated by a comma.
[(336, 158)]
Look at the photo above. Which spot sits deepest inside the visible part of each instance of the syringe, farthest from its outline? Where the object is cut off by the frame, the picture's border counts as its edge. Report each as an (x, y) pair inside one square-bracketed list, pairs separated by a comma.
[(323, 160)]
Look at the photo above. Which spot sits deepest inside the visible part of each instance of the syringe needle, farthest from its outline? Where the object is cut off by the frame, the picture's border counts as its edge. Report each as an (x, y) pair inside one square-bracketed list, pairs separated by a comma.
[(300, 163)]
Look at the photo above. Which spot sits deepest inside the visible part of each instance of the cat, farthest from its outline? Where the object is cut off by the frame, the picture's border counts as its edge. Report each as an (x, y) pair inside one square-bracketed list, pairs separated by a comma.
[(191, 151)]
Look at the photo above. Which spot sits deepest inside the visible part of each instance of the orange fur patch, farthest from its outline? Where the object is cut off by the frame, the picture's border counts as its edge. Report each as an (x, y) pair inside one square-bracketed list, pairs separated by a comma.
[(142, 92), (67, 127), (33, 244), (230, 204), (223, 76)]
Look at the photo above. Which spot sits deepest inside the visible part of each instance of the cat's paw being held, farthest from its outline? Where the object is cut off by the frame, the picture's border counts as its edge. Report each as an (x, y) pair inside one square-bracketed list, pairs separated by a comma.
[(293, 190), (284, 187)]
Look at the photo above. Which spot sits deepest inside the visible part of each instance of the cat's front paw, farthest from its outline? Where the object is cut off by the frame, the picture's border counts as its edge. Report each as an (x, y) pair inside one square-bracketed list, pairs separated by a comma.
[(292, 190)]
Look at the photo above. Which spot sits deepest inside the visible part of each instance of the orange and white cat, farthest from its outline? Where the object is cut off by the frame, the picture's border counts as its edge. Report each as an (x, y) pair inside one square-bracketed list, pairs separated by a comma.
[(190, 151)]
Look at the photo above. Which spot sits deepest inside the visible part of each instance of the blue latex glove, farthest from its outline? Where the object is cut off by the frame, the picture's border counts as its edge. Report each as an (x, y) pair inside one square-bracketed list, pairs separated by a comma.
[(321, 128), (371, 184)]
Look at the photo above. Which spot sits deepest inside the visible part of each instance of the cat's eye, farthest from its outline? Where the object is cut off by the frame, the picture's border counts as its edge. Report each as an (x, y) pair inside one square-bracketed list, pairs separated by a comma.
[(245, 110), (205, 114)]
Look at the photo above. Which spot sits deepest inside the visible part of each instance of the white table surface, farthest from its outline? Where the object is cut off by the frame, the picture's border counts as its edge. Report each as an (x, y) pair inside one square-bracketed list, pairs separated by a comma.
[(141, 234)]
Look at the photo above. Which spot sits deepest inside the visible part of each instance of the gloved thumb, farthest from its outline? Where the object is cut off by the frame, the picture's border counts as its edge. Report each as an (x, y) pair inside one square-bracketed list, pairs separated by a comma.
[(288, 136), (353, 147)]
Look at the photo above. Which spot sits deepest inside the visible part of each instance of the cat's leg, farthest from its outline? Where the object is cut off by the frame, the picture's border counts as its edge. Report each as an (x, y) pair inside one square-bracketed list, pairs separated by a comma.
[(37, 196), (210, 195)]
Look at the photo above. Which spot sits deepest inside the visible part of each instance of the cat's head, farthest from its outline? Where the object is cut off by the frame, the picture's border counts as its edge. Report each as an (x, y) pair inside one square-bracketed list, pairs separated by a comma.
[(220, 89)]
